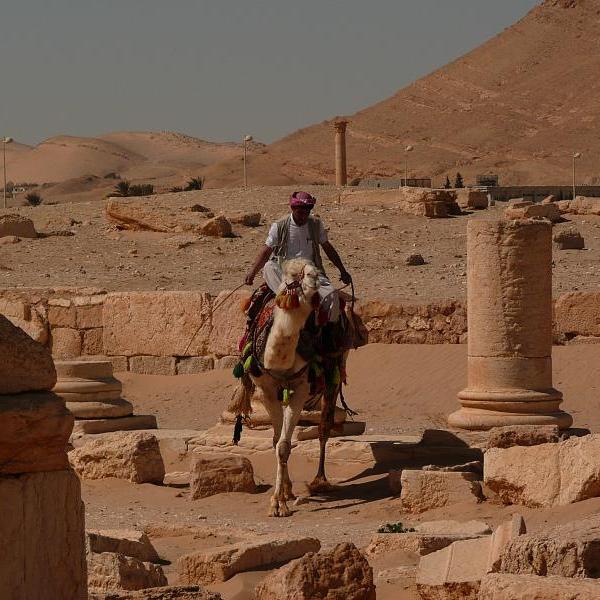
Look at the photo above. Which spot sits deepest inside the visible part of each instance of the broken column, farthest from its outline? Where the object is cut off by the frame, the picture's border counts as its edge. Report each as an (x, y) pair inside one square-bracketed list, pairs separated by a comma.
[(42, 523), (341, 175), (93, 395), (509, 287)]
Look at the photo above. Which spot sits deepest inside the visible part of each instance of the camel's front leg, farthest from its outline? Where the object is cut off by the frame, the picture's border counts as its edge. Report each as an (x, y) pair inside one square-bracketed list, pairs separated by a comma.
[(283, 484), (320, 484)]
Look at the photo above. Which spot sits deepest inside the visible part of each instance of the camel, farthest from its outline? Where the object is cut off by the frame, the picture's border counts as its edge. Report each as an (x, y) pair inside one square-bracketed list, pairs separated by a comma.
[(284, 380)]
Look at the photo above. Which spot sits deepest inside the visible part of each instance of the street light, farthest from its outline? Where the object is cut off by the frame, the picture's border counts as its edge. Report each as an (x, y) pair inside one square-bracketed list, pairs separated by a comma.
[(6, 140), (247, 138), (576, 155), (406, 151)]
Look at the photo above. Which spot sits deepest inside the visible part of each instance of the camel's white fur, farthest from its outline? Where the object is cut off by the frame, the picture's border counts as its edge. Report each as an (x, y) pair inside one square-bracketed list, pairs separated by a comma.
[(282, 361)]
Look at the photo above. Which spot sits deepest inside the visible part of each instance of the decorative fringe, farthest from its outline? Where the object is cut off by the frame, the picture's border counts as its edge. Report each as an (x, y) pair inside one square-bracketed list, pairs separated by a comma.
[(238, 370), (240, 403), (237, 430), (288, 299)]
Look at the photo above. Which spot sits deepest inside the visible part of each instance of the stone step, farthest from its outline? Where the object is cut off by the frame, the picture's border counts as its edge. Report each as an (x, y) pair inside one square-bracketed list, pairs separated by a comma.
[(100, 410), (130, 423), (83, 369)]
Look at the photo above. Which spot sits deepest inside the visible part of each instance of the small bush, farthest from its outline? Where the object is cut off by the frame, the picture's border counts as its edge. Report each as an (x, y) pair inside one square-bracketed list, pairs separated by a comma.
[(195, 183), (447, 185), (176, 189), (458, 182), (121, 189), (143, 189), (395, 528), (33, 199)]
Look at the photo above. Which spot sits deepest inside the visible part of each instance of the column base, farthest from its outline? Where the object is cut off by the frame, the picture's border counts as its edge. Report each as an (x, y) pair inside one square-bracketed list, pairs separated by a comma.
[(477, 419)]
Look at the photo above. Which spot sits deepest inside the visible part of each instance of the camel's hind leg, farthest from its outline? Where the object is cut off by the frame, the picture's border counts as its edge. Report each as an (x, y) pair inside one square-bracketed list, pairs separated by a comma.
[(320, 484), (283, 449)]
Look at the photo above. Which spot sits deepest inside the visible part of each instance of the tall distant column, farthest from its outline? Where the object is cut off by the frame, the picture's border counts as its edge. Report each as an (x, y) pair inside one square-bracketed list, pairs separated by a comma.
[(509, 308), (341, 175)]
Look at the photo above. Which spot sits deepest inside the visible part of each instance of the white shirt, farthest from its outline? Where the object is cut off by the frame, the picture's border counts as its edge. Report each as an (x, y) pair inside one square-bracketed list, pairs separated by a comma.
[(299, 244)]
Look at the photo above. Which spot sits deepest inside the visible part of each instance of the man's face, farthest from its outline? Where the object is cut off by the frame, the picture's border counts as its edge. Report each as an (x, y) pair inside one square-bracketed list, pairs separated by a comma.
[(300, 214)]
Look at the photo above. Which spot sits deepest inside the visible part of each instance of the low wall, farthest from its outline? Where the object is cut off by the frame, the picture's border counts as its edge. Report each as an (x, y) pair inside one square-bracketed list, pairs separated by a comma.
[(190, 332)]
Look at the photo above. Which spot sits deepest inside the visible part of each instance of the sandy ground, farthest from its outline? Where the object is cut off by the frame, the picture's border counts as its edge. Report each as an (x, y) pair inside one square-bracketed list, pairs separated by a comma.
[(373, 240), (396, 389)]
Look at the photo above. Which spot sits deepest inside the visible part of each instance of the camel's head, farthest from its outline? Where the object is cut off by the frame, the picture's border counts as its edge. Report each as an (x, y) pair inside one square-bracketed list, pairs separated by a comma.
[(300, 284)]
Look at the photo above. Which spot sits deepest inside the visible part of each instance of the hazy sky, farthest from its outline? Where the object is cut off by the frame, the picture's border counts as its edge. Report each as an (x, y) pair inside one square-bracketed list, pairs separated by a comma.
[(217, 69)]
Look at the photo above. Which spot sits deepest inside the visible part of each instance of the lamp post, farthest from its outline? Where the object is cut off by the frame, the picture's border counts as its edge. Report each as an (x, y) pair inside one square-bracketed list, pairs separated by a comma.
[(576, 155), (406, 151), (6, 140), (247, 138)]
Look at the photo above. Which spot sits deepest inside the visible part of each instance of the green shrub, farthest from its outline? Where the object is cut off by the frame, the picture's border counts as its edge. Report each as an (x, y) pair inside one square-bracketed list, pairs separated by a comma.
[(121, 189), (33, 199), (195, 183), (143, 189), (395, 528)]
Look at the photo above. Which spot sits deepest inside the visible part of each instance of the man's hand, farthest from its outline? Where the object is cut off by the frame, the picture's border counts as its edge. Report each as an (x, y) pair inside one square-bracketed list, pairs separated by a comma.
[(249, 279), (346, 277)]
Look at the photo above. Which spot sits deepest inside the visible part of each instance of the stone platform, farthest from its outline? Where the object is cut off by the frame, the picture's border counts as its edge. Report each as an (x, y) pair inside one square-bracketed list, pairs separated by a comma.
[(93, 395)]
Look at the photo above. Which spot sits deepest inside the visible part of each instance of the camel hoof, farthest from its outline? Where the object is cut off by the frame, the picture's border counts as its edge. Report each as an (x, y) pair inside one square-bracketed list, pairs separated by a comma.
[(281, 510), (320, 486)]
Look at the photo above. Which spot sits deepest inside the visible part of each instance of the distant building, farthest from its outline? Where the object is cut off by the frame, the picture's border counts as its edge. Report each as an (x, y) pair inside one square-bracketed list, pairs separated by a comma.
[(487, 180), (393, 184)]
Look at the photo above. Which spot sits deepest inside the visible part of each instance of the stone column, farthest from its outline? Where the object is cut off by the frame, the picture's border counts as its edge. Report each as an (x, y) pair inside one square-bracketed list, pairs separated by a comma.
[(341, 175), (509, 314), (42, 529)]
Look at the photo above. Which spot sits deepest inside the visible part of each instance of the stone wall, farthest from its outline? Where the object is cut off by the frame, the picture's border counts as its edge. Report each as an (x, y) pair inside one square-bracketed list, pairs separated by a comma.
[(190, 332)]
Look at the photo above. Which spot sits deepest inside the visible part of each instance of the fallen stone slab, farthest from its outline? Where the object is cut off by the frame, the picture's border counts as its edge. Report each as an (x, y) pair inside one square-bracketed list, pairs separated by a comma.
[(457, 570), (341, 573), (454, 527), (501, 586), (177, 479), (108, 570), (222, 563), (128, 542), (424, 490), (570, 550), (34, 432), (177, 592), (454, 572), (17, 225), (25, 365), (213, 473), (522, 435), (529, 210), (545, 475), (415, 542), (98, 426), (105, 409), (130, 455), (503, 534), (569, 239)]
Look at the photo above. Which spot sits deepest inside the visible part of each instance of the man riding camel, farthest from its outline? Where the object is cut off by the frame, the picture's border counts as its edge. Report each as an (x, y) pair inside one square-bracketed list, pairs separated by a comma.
[(300, 235)]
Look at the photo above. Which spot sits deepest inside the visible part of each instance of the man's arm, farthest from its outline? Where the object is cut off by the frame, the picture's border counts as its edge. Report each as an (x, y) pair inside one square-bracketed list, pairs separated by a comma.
[(260, 261), (334, 257)]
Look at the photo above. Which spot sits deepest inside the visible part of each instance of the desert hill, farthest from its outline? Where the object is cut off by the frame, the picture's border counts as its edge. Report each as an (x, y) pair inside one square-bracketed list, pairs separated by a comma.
[(518, 105), (78, 165)]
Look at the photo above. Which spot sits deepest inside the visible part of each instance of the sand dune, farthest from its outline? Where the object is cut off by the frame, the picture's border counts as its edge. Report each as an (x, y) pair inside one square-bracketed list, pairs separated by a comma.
[(132, 155)]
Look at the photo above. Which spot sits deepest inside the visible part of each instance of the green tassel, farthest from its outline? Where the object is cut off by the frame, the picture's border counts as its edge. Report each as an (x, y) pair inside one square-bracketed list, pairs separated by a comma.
[(287, 395), (238, 370), (247, 364), (247, 349)]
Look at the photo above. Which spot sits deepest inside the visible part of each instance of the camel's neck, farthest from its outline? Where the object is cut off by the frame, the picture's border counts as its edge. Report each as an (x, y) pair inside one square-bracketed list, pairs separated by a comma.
[(280, 351)]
